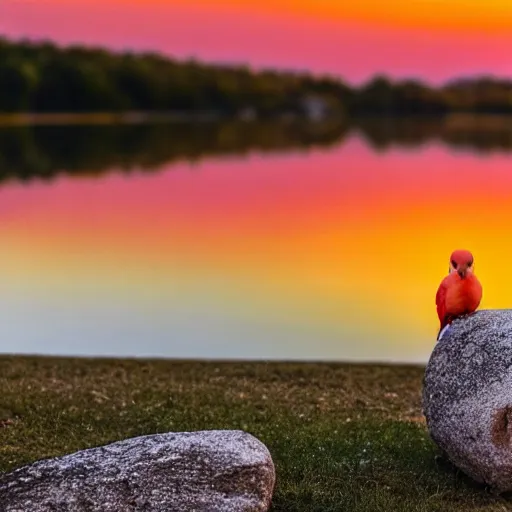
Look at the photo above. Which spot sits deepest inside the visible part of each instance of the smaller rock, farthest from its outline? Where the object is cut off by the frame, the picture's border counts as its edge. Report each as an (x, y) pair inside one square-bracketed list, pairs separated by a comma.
[(214, 471)]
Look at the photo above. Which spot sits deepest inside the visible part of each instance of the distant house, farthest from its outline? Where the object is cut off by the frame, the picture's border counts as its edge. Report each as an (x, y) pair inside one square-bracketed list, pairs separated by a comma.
[(315, 108), (247, 114)]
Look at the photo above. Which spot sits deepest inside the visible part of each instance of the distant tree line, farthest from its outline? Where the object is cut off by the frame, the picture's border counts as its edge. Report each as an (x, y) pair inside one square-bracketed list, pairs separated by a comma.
[(45, 78), (484, 95), (42, 78)]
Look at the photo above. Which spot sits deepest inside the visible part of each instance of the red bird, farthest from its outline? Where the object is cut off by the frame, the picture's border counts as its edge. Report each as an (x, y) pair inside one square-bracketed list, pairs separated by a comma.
[(460, 292)]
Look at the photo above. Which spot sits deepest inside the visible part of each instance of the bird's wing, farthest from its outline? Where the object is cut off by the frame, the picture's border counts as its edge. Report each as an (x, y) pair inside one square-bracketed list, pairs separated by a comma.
[(441, 300)]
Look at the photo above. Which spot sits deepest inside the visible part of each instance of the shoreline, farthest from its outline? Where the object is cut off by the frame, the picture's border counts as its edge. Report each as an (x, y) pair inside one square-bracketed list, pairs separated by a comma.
[(112, 359), (66, 118), (453, 120)]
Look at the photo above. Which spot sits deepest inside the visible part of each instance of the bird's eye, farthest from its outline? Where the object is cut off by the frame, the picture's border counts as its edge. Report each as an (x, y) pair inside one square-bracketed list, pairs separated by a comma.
[(454, 264), (470, 263)]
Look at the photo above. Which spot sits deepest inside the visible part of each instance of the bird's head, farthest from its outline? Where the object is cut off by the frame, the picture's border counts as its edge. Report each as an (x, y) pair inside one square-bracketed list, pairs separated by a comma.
[(461, 261)]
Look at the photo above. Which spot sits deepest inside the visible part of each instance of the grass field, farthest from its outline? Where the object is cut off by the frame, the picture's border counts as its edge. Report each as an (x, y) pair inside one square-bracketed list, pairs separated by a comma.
[(343, 437)]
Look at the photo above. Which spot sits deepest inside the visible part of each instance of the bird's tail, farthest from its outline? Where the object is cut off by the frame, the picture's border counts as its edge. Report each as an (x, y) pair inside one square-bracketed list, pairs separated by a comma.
[(442, 331)]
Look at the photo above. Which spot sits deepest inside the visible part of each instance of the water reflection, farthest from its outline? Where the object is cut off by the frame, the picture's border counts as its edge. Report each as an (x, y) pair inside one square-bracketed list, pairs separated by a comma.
[(28, 152), (334, 253)]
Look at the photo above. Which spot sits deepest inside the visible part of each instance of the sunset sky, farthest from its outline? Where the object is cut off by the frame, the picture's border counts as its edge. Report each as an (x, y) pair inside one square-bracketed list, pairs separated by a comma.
[(431, 39)]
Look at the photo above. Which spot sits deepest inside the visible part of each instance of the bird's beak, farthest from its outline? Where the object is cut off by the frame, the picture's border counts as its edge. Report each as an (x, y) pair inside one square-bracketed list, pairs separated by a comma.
[(462, 271)]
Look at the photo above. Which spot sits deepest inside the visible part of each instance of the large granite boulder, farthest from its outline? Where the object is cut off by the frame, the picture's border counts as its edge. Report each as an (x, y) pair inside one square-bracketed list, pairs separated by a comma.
[(467, 396), (210, 471)]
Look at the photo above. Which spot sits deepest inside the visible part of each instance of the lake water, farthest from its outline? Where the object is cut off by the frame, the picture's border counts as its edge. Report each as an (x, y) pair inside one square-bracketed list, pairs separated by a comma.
[(329, 253)]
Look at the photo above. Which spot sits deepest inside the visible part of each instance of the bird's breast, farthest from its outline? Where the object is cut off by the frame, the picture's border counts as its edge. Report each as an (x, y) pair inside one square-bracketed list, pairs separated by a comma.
[(464, 295)]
